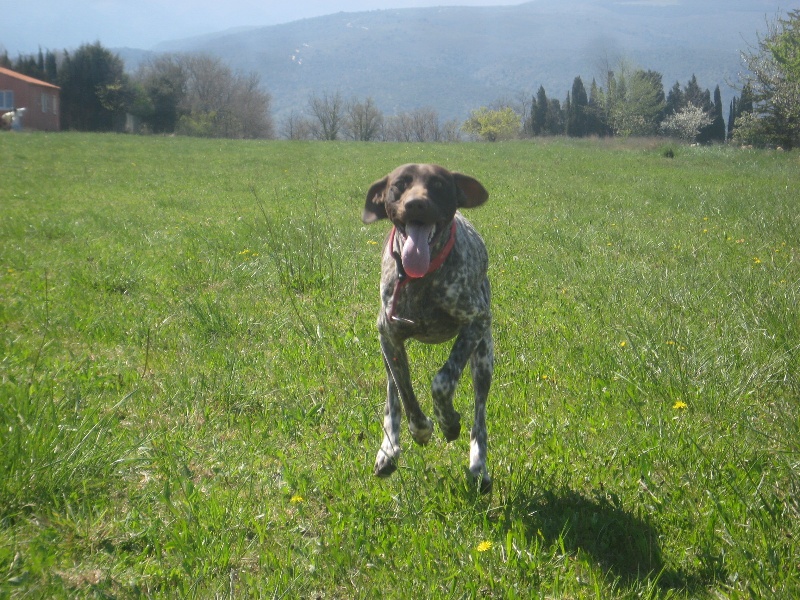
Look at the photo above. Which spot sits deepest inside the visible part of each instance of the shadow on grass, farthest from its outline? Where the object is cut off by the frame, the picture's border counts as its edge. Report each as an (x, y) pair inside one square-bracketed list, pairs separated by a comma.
[(624, 545)]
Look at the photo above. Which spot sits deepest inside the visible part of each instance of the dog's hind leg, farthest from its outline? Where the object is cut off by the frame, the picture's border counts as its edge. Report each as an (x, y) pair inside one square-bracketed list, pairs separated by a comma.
[(482, 367)]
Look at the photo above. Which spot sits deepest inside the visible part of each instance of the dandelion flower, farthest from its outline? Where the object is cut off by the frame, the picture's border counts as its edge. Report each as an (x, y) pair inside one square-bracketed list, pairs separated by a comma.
[(679, 405), (623, 344), (756, 260), (484, 546), (296, 499)]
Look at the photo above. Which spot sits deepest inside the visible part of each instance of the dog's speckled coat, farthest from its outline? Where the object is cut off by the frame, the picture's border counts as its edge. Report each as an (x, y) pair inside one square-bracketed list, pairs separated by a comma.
[(452, 301)]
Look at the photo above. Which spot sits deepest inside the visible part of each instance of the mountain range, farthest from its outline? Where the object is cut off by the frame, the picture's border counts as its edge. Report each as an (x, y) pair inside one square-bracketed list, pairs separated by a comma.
[(455, 59)]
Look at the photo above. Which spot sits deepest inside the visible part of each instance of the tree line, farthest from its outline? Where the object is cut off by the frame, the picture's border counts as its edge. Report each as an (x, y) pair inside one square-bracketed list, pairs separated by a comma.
[(185, 94), (199, 95)]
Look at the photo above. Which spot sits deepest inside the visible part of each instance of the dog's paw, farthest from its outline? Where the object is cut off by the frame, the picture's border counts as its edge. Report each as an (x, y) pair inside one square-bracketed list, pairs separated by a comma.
[(451, 429), (421, 434), (385, 465), (481, 480)]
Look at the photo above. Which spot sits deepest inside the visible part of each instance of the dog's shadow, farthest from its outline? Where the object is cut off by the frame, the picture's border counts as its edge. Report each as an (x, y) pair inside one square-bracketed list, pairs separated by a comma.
[(624, 545)]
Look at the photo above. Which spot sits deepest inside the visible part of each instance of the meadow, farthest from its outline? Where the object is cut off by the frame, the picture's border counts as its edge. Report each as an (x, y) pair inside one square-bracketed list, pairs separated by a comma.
[(191, 388)]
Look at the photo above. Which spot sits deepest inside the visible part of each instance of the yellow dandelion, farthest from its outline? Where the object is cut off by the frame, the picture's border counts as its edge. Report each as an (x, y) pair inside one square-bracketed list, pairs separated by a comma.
[(484, 546), (372, 242), (756, 260), (296, 499), (670, 342), (679, 405), (623, 344)]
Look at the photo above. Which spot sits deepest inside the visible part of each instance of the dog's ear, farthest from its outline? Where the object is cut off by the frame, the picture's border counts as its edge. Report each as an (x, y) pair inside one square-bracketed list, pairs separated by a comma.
[(472, 193), (374, 208)]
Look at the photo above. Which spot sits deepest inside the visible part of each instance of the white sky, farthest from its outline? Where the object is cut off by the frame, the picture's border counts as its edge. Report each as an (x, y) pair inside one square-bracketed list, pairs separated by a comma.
[(27, 25)]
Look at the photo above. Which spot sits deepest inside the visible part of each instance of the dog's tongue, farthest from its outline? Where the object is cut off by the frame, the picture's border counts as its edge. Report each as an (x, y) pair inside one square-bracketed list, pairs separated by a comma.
[(416, 251)]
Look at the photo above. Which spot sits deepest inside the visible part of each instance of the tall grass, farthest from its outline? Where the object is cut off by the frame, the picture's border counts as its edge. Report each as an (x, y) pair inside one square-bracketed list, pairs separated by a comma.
[(191, 387)]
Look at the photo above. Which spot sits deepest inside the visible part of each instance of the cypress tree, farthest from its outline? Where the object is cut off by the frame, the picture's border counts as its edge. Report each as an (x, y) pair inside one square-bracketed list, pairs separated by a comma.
[(717, 127), (675, 100), (539, 112), (577, 110), (594, 124), (732, 114)]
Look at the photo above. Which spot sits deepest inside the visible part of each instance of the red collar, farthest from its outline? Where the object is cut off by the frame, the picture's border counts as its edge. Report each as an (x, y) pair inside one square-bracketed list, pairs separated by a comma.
[(403, 278)]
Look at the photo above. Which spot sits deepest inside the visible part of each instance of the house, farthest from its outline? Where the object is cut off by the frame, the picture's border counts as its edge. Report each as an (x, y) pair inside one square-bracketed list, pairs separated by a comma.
[(41, 99)]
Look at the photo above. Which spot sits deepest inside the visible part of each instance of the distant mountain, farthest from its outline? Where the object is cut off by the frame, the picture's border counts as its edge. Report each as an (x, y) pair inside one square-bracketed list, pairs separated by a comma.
[(455, 59)]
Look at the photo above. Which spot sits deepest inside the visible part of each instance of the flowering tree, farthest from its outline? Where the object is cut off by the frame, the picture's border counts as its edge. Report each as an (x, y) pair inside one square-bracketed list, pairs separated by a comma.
[(774, 78), (687, 123)]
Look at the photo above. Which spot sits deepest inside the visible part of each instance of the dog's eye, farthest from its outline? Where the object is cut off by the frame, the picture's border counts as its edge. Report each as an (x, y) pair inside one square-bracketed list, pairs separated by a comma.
[(437, 184), (399, 185)]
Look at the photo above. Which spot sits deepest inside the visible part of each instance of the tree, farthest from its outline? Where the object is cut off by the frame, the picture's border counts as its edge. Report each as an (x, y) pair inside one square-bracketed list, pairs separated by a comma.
[(220, 103), (363, 120), (555, 123), (425, 125), (539, 107), (740, 106), (327, 112), (774, 79), (716, 128), (492, 125), (165, 81), (296, 127), (594, 124), (687, 123), (675, 100), (93, 89), (633, 101), (577, 114)]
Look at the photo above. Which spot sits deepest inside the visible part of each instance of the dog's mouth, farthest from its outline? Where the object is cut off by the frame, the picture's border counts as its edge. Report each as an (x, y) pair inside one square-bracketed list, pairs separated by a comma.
[(416, 251)]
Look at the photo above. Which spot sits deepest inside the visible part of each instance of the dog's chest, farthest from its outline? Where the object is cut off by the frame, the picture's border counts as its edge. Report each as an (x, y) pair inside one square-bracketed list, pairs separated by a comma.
[(434, 308)]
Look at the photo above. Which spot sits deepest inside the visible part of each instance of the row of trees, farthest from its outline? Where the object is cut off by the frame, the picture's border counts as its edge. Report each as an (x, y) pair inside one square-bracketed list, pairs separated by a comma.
[(331, 117), (199, 95), (184, 94), (632, 103)]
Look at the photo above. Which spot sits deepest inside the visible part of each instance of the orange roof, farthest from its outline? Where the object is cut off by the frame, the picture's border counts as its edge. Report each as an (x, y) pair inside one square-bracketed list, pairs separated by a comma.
[(27, 79)]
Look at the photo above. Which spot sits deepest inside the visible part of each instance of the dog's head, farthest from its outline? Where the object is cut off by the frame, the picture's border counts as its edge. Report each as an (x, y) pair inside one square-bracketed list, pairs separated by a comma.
[(421, 201)]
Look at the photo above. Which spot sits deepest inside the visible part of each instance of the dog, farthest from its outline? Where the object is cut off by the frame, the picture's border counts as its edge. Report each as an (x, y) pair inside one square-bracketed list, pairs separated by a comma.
[(434, 287)]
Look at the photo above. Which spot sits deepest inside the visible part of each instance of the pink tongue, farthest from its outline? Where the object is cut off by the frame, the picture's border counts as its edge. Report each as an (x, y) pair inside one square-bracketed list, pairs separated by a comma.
[(416, 251)]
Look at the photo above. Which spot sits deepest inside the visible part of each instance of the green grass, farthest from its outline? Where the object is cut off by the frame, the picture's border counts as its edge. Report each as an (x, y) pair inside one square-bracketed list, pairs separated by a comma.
[(191, 389)]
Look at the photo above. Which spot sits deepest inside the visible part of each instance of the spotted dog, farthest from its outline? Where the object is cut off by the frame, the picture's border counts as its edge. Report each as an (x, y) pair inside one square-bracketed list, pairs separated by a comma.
[(434, 288)]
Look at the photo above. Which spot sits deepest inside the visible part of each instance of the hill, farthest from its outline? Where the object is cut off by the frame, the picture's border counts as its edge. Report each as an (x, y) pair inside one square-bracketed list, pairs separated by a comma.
[(455, 59)]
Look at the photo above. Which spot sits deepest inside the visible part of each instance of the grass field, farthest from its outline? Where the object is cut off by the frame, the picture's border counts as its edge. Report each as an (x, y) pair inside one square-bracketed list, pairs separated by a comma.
[(191, 388)]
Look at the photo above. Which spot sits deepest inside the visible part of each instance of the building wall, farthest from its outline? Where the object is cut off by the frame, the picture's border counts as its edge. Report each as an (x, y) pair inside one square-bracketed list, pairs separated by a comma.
[(42, 100)]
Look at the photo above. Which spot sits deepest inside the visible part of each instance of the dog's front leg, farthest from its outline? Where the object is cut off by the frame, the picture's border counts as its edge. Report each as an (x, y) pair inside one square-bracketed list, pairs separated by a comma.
[(399, 389)]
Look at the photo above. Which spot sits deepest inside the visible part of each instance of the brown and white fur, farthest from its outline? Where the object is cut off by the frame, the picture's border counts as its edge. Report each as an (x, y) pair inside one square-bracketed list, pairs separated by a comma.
[(433, 303)]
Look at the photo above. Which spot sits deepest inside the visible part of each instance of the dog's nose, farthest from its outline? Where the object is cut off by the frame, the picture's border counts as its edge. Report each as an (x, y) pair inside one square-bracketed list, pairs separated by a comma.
[(416, 207)]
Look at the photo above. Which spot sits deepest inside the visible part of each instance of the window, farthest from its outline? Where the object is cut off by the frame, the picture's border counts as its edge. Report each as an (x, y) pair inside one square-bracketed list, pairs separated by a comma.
[(49, 104), (6, 100)]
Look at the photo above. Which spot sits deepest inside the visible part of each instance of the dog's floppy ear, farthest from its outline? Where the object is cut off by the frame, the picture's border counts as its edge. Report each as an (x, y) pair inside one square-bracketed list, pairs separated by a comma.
[(472, 191), (374, 208)]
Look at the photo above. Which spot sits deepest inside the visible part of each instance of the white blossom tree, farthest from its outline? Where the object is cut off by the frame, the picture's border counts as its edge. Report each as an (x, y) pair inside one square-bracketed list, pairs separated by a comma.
[(686, 123)]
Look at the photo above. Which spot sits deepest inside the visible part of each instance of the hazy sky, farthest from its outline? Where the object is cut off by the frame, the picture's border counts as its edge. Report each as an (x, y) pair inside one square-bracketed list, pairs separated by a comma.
[(27, 25)]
